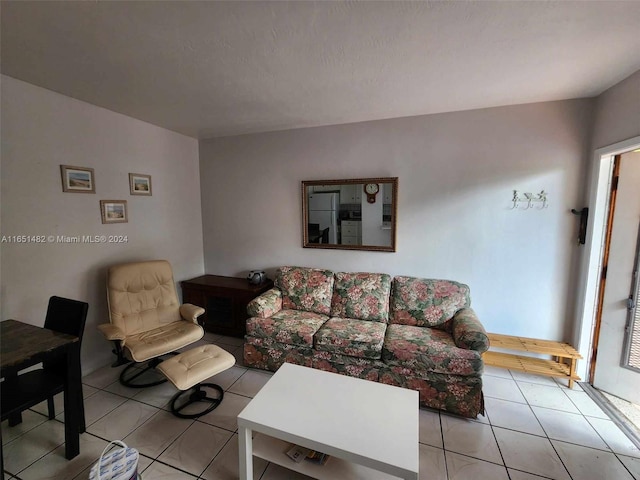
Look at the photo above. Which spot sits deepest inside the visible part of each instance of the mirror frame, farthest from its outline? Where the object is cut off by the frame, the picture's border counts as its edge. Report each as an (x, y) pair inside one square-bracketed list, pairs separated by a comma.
[(374, 248)]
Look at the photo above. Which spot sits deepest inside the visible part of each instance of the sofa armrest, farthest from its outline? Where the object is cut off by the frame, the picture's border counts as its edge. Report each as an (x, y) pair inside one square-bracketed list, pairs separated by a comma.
[(468, 332), (111, 332), (265, 305), (190, 312)]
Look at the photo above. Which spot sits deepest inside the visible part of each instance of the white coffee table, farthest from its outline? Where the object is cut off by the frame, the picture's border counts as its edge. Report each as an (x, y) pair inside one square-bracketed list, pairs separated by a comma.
[(369, 429)]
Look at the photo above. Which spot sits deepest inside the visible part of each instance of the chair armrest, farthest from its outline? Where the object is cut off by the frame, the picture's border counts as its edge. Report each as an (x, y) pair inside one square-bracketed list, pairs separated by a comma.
[(190, 312), (265, 305), (468, 332), (111, 331)]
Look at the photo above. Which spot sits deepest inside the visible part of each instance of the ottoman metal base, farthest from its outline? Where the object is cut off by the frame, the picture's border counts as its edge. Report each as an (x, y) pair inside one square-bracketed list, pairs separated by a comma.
[(196, 394), (188, 369), (134, 370)]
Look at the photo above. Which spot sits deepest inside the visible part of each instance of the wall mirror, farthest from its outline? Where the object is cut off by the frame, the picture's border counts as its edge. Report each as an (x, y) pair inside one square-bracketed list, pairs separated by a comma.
[(353, 214)]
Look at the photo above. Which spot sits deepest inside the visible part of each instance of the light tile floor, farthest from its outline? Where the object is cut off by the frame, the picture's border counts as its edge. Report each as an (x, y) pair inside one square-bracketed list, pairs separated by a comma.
[(535, 428)]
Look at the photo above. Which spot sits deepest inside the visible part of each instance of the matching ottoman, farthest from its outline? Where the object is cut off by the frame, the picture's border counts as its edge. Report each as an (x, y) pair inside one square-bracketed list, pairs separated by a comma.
[(188, 369)]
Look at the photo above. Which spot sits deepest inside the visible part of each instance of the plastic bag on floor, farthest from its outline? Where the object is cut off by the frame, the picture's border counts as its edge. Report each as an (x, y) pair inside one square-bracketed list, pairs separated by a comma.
[(117, 464)]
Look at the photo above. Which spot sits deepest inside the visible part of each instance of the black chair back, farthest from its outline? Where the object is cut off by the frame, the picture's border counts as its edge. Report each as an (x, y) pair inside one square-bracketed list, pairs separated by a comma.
[(325, 236), (65, 316)]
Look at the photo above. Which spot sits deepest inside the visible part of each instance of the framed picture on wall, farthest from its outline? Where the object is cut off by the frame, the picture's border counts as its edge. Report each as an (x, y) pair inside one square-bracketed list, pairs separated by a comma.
[(113, 211), (139, 184), (77, 179)]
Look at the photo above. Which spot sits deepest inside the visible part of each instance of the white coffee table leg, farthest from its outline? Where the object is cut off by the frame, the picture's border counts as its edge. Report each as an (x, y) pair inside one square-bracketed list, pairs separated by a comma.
[(245, 453)]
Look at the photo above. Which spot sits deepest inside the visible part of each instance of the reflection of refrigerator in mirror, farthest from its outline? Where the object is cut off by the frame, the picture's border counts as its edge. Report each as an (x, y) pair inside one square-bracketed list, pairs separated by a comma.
[(323, 210)]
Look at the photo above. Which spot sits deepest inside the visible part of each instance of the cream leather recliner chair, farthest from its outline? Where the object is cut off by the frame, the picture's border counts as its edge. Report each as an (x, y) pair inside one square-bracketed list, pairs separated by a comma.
[(147, 320)]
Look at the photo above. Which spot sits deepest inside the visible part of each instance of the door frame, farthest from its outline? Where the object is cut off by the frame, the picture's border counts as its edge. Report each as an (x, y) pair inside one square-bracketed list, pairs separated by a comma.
[(592, 256), (604, 263)]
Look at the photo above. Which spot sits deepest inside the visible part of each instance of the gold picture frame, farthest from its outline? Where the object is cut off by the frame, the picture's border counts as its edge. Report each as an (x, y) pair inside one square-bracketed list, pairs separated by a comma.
[(140, 184), (77, 179), (114, 211), (348, 222)]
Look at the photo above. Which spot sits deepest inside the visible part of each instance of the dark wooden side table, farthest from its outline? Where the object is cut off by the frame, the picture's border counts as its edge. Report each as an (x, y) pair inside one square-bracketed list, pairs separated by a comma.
[(225, 301)]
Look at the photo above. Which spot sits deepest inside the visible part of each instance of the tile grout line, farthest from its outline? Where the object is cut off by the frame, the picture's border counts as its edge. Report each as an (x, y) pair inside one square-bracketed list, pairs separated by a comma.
[(551, 443), (606, 411), (153, 459), (216, 455), (97, 389), (543, 429), (624, 465), (504, 462), (594, 429), (193, 421), (39, 458), (156, 459), (609, 450), (35, 461), (444, 450), (528, 473), (27, 431), (479, 459)]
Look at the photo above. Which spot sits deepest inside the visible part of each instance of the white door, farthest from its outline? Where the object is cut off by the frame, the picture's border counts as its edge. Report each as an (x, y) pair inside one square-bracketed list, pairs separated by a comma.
[(323, 201), (614, 373)]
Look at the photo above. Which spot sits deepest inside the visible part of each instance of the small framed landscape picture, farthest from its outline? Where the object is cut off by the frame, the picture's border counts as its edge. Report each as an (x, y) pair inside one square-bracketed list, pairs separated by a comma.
[(114, 211), (77, 179), (139, 184)]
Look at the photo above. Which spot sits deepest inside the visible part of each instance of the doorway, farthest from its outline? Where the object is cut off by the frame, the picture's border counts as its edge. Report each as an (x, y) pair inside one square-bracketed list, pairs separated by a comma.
[(609, 334), (615, 365)]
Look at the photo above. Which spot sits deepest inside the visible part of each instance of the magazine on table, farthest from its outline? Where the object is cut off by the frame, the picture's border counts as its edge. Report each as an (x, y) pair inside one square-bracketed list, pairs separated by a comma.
[(298, 454)]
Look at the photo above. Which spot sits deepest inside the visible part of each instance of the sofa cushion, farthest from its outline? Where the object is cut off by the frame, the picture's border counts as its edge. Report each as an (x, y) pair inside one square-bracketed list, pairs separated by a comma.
[(307, 289), (360, 368), (428, 350), (347, 336), (293, 327), (425, 302), (453, 393), (363, 296), (346, 360), (267, 354)]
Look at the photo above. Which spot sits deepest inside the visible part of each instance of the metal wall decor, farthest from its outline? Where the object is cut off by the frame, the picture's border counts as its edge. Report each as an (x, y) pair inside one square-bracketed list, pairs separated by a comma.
[(528, 200)]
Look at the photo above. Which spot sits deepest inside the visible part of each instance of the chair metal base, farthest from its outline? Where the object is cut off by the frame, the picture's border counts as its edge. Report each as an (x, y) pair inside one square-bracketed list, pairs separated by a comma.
[(127, 378), (196, 394)]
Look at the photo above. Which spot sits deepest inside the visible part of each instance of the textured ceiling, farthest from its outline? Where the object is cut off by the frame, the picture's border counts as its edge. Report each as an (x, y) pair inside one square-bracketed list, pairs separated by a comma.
[(221, 68)]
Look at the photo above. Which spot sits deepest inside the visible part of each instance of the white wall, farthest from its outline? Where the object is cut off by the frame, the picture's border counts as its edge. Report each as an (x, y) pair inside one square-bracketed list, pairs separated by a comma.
[(617, 113), (456, 175), (42, 130)]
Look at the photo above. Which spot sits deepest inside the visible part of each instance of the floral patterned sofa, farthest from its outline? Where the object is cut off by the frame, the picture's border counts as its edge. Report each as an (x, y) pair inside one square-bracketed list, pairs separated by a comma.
[(410, 332)]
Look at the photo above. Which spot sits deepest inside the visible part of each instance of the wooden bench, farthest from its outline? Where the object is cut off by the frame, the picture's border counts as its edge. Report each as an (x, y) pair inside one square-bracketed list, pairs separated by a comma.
[(562, 364)]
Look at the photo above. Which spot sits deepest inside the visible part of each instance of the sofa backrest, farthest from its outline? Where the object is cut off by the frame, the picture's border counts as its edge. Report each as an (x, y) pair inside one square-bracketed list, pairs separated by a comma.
[(426, 302), (363, 296), (307, 289)]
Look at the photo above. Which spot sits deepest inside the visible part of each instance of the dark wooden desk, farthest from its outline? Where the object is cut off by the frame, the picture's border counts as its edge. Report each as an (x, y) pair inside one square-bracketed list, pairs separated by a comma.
[(23, 345), (225, 301)]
